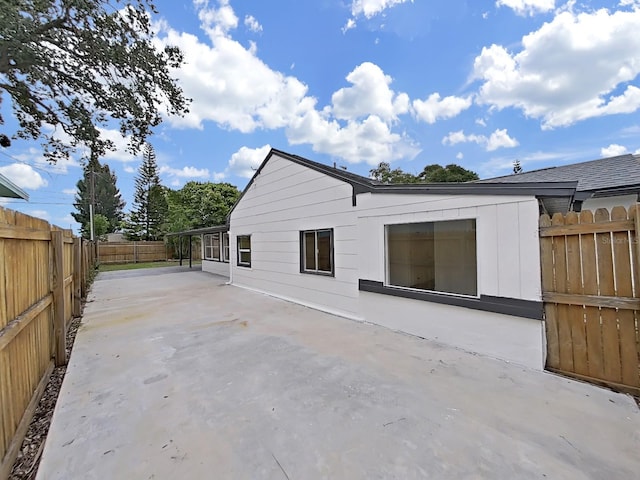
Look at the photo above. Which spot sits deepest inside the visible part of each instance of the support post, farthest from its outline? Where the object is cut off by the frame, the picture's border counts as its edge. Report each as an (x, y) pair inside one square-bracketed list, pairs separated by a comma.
[(636, 221), (190, 251), (180, 247), (77, 276), (59, 324)]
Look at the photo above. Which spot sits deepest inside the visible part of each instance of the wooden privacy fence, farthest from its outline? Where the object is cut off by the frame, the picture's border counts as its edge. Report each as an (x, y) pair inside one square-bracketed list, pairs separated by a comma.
[(44, 272), (131, 252), (591, 290)]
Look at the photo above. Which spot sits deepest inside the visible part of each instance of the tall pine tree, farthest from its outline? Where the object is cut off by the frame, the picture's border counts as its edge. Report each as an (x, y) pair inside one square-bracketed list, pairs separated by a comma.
[(98, 186), (149, 209)]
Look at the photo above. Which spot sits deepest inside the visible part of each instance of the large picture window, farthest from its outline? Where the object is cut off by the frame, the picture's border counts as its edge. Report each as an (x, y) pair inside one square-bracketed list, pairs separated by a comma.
[(244, 250), (215, 248), (316, 251), (433, 256)]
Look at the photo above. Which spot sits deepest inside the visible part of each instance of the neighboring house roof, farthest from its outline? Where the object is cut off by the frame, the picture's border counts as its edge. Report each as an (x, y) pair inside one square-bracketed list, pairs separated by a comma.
[(200, 231), (8, 189), (596, 178)]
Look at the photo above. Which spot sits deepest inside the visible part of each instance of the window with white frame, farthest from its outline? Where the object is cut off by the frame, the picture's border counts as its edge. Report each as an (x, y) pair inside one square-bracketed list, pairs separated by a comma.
[(225, 247), (214, 247), (244, 250), (435, 256), (208, 247), (316, 251)]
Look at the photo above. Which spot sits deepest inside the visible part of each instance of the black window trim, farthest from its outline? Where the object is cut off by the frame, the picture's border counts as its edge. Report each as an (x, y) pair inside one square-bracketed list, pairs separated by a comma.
[(332, 273), (387, 283), (239, 263)]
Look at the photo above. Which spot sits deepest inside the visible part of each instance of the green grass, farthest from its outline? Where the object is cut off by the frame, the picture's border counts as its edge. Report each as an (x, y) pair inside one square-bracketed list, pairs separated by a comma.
[(135, 266)]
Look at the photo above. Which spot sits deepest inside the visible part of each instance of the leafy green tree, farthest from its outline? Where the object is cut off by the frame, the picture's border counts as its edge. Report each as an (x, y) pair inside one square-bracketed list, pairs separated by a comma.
[(71, 66), (198, 205), (147, 217), (451, 173), (98, 186), (430, 174), (100, 226), (384, 174)]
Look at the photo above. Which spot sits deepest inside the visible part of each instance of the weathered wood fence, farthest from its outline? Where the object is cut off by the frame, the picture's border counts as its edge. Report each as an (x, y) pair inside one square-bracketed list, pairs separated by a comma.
[(138, 252), (131, 252), (44, 273), (591, 290)]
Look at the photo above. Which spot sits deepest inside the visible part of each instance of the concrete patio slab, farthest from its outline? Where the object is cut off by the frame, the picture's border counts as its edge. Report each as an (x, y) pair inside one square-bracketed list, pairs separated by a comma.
[(177, 375)]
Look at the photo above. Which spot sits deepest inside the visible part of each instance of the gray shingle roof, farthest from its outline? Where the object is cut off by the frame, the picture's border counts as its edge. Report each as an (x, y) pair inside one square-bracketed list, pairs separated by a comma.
[(611, 173)]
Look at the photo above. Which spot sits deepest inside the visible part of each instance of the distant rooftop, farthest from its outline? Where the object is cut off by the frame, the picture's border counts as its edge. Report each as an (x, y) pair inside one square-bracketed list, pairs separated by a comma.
[(613, 175), (8, 189)]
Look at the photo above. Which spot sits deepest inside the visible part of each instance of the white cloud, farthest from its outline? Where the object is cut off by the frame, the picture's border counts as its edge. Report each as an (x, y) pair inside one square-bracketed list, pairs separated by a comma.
[(435, 108), (548, 78), (24, 176), (246, 161), (481, 122), (528, 7), (185, 172), (129, 169), (454, 138), (351, 23), (460, 156), (176, 183), (252, 24), (369, 95), (216, 21), (234, 88), (370, 8), (121, 143), (43, 214), (69, 191), (613, 150), (498, 139), (370, 141)]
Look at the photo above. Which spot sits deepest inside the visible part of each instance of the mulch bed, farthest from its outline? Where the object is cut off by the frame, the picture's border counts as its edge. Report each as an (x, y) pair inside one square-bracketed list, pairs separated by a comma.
[(26, 465)]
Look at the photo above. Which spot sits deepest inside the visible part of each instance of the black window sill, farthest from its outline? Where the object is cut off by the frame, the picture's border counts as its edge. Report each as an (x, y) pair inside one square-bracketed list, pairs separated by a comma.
[(507, 306)]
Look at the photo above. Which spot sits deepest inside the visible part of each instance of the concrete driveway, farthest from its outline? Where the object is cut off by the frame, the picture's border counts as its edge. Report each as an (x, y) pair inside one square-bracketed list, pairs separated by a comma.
[(176, 375)]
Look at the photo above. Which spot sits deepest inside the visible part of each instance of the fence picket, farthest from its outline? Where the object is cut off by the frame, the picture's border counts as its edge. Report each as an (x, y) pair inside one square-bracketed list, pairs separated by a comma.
[(551, 314), (590, 287)]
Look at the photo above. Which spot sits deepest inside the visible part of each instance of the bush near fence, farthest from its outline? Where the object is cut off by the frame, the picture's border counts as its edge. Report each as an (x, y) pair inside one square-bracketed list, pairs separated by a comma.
[(44, 273)]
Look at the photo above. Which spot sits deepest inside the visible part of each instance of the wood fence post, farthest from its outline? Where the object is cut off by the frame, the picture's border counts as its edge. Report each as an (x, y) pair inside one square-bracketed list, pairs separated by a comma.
[(59, 324), (77, 276), (636, 222)]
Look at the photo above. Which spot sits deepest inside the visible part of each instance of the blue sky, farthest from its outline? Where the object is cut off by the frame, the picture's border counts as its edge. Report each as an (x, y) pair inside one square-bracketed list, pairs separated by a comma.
[(356, 82)]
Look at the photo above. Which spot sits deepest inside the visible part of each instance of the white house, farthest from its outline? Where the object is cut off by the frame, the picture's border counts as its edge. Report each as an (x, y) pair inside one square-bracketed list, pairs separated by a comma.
[(456, 263)]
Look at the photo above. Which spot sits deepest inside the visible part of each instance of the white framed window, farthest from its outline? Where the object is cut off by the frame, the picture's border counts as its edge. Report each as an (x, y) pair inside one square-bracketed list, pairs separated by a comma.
[(216, 247), (225, 247), (244, 250), (316, 251), (208, 247), (433, 256)]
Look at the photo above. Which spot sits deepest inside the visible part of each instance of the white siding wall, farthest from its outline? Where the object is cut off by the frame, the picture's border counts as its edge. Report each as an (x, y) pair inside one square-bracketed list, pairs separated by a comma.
[(506, 232), (219, 268), (508, 266), (283, 200), (609, 202), (287, 198)]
